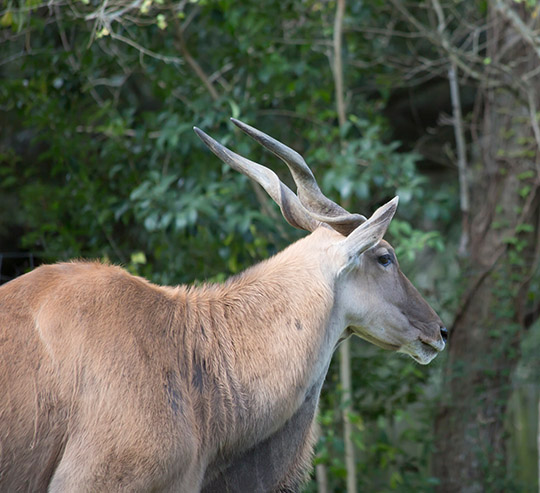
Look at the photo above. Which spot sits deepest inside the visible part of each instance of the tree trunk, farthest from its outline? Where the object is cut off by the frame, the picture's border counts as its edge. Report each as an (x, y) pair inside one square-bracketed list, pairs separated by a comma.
[(346, 388), (484, 342), (344, 350)]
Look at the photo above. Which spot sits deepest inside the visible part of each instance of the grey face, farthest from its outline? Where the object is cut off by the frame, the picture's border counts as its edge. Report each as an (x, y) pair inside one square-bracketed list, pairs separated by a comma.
[(384, 308)]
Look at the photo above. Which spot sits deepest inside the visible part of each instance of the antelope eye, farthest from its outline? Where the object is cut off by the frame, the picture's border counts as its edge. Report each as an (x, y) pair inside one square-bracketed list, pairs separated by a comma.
[(385, 260)]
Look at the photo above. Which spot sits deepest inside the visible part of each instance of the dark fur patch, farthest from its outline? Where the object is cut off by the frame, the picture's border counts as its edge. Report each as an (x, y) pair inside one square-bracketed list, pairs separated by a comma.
[(173, 392), (52, 463), (198, 374)]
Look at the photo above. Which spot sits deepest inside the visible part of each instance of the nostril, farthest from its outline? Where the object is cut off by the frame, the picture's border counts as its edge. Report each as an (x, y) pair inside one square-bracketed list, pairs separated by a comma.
[(444, 334)]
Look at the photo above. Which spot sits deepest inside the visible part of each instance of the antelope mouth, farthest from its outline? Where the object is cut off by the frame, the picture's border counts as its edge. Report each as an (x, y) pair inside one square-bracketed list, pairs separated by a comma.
[(373, 340), (430, 347), (436, 346), (421, 352)]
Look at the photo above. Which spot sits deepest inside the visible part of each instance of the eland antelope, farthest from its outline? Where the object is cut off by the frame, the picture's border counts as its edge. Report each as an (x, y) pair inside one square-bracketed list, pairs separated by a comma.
[(110, 383)]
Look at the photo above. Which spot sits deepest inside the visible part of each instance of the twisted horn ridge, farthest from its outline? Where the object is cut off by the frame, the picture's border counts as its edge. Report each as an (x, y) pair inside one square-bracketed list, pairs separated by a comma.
[(291, 208), (321, 207), (310, 209)]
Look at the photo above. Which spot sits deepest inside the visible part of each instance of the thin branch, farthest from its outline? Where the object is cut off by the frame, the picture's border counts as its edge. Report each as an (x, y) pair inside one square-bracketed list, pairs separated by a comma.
[(192, 14), (321, 475), (218, 73), (31, 7), (75, 65), (344, 349), (346, 398), (195, 65), (15, 56), (301, 42), (526, 34), (533, 115), (24, 53), (144, 51), (385, 32), (111, 14), (338, 65), (538, 440), (217, 76), (462, 159), (440, 16), (128, 132), (439, 40)]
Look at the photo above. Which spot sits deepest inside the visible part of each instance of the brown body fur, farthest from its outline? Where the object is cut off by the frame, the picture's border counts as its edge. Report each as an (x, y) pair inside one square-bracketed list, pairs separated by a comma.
[(112, 383)]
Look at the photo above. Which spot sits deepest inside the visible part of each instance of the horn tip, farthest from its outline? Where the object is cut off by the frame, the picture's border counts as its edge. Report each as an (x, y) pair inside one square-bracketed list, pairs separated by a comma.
[(200, 133), (237, 122), (208, 141)]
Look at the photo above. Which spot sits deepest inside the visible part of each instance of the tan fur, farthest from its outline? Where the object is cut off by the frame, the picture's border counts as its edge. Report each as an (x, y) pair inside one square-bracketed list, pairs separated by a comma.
[(111, 383)]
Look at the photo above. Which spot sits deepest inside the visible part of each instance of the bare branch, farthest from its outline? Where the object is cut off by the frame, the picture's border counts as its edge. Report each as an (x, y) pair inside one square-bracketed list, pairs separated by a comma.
[(320, 470), (144, 51), (462, 158), (533, 114), (439, 40), (194, 64), (15, 56), (526, 34), (384, 32), (344, 350), (111, 14), (337, 65), (440, 16), (73, 62), (302, 42), (218, 73), (31, 7)]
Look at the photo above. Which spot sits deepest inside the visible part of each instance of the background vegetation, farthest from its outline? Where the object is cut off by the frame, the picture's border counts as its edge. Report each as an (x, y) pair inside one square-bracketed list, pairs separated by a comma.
[(436, 101)]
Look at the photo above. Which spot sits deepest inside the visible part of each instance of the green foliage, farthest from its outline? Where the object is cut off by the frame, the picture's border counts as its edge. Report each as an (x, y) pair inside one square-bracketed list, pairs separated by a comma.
[(101, 162), (394, 399)]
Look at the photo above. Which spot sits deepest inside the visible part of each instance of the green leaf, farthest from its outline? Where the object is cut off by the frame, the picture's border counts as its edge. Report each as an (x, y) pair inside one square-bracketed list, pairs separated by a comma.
[(524, 191), (524, 228), (138, 258), (7, 19), (161, 22)]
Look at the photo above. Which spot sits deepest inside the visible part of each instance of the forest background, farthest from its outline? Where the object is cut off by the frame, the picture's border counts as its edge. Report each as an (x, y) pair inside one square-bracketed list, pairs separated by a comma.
[(434, 100)]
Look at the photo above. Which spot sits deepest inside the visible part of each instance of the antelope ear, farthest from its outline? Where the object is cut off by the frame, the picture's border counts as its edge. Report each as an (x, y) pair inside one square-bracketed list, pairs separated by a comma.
[(370, 233)]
